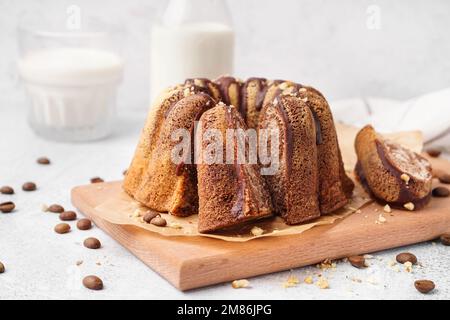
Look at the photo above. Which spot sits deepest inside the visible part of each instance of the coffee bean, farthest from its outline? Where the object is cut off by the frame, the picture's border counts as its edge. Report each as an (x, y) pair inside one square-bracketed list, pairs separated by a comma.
[(440, 192), (424, 286), (159, 222), (56, 208), (43, 160), (7, 207), (406, 257), (2, 267), (444, 178), (6, 190), (93, 283), (97, 180), (445, 239), (84, 224), (150, 215), (29, 186), (68, 216), (62, 228), (92, 243), (357, 261), (434, 153), (124, 172)]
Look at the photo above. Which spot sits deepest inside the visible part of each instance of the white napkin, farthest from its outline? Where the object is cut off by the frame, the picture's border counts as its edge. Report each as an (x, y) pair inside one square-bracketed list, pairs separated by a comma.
[(429, 113)]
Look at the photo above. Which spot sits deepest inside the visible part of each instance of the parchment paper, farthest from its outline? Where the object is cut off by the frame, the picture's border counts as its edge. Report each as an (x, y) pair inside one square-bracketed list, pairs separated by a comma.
[(123, 210)]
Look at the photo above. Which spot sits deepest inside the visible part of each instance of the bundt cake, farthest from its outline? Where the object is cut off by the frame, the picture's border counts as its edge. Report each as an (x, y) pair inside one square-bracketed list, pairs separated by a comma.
[(295, 185), (319, 185), (229, 193), (391, 173)]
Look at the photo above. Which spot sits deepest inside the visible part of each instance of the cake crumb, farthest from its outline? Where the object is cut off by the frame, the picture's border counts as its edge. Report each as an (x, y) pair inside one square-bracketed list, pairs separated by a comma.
[(408, 266), (257, 231), (308, 280), (322, 283), (371, 281), (357, 280), (175, 225), (79, 262), (387, 209), (409, 206), (44, 207), (292, 281), (381, 219), (238, 284)]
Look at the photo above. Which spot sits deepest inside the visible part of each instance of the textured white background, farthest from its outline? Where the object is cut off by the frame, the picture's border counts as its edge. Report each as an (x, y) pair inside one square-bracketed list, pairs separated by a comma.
[(325, 43)]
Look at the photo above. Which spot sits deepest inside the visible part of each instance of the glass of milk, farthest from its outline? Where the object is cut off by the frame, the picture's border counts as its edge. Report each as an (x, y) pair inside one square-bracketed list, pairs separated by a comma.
[(193, 39), (71, 74)]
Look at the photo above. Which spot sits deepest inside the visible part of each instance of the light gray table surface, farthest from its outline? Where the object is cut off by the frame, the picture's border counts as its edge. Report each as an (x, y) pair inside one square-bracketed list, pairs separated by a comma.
[(41, 264)]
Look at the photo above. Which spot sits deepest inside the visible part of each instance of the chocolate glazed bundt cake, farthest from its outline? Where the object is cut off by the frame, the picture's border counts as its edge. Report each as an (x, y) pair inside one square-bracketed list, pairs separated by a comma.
[(229, 193), (391, 173), (311, 179)]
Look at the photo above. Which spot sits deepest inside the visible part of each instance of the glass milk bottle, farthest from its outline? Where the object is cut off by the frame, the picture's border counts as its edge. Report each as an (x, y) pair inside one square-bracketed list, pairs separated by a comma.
[(193, 39)]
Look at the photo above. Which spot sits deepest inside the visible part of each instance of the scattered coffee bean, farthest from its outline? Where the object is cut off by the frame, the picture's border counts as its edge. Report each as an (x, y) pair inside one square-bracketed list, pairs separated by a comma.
[(440, 192), (92, 243), (97, 180), (62, 228), (424, 286), (150, 215), (93, 283), (124, 172), (7, 207), (444, 178), (68, 216), (56, 208), (159, 222), (29, 186), (434, 153), (357, 261), (2, 267), (406, 257), (6, 190), (445, 239), (84, 224), (43, 160)]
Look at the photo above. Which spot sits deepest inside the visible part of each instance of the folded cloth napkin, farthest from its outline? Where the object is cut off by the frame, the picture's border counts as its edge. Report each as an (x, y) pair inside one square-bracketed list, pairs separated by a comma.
[(429, 113)]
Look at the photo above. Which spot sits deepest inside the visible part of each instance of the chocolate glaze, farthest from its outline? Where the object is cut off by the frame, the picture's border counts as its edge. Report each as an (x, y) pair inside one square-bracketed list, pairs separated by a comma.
[(224, 84), (243, 108)]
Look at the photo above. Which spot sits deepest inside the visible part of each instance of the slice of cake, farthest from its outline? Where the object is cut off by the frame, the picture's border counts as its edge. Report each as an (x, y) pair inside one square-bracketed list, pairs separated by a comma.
[(230, 192), (295, 185), (392, 174)]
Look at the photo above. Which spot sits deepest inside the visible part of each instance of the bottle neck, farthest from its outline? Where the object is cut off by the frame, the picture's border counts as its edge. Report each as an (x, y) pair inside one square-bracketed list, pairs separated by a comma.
[(196, 11)]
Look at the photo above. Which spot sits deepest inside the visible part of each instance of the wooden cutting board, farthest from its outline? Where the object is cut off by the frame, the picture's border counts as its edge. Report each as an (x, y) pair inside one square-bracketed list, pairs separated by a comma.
[(192, 262)]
